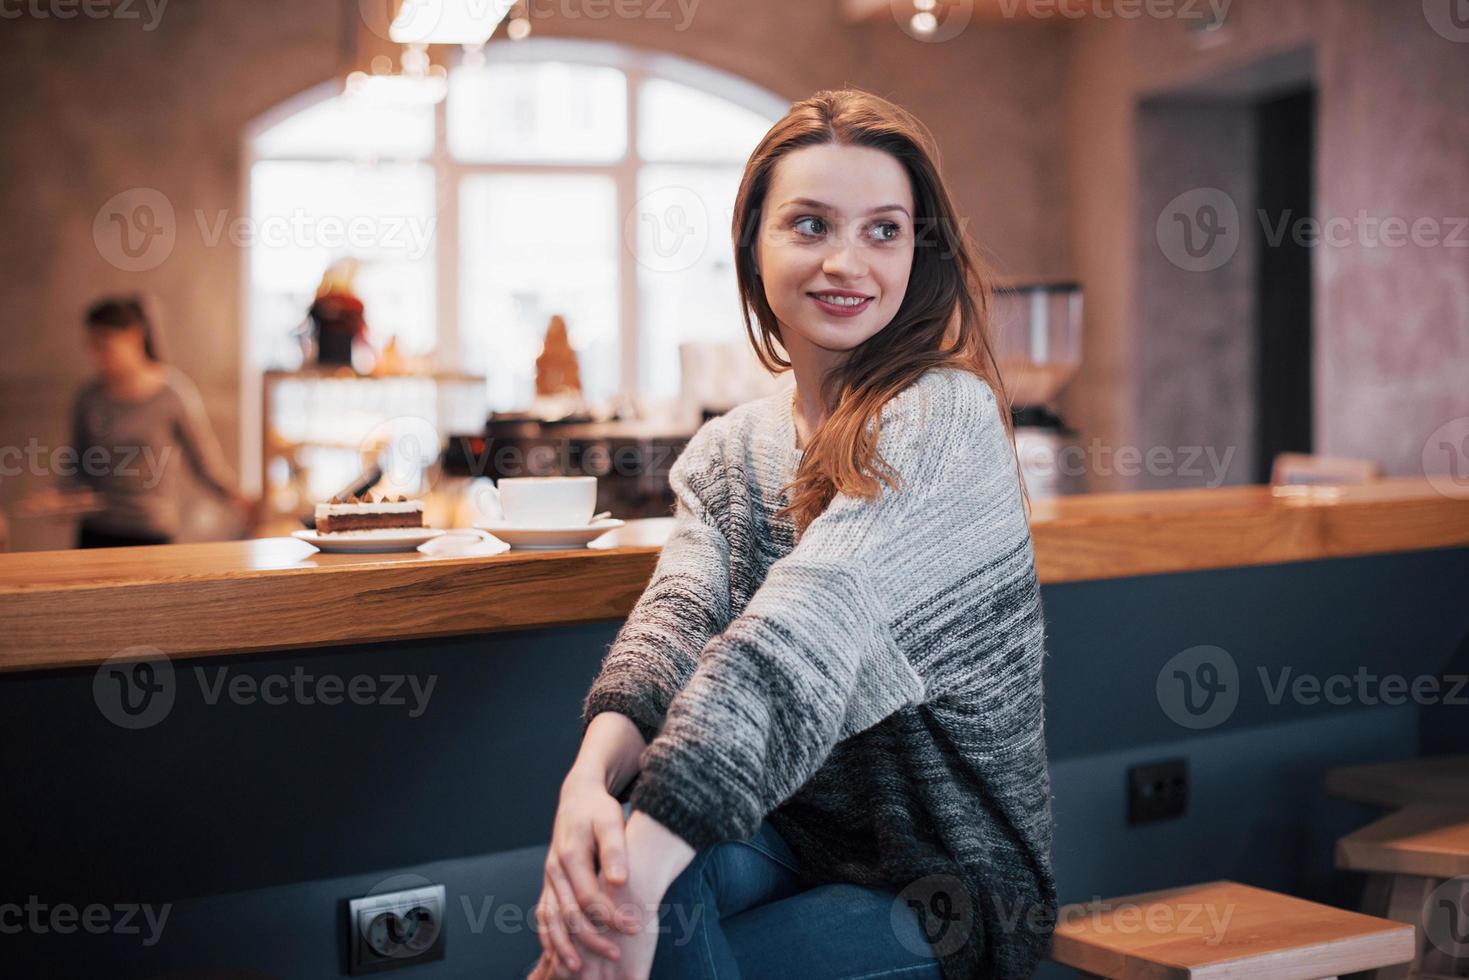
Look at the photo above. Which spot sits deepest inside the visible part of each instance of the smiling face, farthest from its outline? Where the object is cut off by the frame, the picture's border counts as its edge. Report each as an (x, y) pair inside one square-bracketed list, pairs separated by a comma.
[(836, 247)]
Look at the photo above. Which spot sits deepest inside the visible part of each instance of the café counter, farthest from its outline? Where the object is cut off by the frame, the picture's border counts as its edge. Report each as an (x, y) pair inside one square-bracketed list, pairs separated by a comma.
[(73, 608), (308, 728)]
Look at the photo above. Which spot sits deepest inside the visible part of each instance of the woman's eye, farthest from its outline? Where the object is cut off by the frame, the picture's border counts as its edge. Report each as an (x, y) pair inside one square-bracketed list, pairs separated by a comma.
[(802, 224), (887, 231)]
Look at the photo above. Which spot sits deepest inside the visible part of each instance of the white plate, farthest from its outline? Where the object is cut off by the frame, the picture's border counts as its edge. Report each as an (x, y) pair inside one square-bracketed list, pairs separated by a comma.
[(373, 540), (546, 538)]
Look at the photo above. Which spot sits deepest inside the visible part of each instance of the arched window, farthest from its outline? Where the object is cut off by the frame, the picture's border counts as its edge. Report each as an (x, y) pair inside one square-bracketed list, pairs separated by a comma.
[(584, 179)]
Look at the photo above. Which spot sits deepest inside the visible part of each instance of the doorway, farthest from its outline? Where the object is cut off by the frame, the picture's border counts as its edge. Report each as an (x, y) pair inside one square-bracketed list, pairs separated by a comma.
[(1225, 269)]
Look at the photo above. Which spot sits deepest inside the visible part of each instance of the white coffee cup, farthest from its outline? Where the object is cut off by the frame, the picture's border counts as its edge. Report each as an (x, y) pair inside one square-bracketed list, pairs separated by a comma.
[(545, 501)]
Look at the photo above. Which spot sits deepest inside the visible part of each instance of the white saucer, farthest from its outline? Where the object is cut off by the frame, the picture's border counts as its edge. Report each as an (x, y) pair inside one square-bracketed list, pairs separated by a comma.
[(547, 538), (374, 540)]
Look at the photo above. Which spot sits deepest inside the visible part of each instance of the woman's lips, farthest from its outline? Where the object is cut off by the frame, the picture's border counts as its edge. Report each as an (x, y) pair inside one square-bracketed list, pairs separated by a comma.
[(832, 309)]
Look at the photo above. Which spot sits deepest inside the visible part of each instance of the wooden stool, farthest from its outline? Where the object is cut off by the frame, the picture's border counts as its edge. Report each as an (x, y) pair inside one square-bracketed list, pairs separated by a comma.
[(1223, 930), (1428, 779), (1413, 858)]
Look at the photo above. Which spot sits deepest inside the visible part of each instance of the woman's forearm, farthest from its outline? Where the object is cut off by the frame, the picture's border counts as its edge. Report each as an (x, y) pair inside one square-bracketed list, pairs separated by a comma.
[(610, 750), (613, 745), (655, 856)]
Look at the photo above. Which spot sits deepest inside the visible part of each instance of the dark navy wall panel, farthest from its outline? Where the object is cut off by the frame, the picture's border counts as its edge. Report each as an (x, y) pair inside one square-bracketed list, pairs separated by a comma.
[(255, 822), (1108, 641), (224, 797)]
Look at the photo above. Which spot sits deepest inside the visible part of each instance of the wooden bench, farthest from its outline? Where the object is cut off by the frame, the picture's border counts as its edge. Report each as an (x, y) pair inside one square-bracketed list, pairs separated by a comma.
[(1418, 863), (1223, 930), (1428, 779)]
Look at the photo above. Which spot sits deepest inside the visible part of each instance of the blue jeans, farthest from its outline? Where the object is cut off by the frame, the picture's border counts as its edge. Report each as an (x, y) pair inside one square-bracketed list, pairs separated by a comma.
[(740, 911)]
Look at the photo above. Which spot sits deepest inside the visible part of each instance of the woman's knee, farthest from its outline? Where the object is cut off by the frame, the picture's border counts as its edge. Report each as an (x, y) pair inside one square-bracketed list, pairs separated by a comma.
[(688, 910), (697, 886)]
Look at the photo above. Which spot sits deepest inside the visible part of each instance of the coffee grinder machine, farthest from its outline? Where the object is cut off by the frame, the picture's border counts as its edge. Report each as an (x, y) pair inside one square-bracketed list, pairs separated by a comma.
[(1037, 336)]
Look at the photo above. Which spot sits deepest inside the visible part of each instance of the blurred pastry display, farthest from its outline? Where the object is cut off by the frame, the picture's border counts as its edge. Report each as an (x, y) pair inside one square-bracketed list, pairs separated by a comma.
[(336, 317), (558, 377)]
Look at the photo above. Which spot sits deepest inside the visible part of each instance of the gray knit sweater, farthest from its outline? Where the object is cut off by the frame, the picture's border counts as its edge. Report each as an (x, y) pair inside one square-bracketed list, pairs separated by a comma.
[(873, 689)]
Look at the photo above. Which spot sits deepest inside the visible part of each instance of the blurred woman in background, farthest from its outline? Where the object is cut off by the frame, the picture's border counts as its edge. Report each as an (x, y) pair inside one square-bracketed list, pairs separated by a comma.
[(130, 426)]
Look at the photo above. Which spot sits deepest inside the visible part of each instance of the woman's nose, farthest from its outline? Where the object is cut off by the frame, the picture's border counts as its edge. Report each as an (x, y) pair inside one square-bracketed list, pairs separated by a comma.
[(845, 261)]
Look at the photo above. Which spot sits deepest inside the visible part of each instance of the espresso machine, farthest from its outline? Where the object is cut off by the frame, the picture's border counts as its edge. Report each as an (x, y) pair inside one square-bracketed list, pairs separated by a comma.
[(1037, 337)]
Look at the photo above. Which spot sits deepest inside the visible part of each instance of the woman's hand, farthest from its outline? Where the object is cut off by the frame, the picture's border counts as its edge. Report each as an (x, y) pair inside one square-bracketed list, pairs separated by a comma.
[(550, 967), (588, 829), (246, 509), (547, 968), (55, 502), (569, 946), (656, 856)]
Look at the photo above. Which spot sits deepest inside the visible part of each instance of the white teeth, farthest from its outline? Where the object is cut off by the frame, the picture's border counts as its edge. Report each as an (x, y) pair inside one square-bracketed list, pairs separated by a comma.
[(840, 300)]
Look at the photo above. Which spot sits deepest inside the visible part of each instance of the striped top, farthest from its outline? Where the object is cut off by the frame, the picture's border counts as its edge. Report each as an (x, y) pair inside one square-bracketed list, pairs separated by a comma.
[(873, 689), (129, 454)]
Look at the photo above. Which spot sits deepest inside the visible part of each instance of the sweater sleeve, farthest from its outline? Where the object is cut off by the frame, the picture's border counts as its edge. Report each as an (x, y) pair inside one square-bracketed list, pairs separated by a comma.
[(812, 659), (78, 477), (196, 438), (686, 601)]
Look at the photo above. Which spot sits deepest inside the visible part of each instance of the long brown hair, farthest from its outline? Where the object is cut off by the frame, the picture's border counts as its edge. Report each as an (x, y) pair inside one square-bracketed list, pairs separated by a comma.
[(121, 312), (942, 321)]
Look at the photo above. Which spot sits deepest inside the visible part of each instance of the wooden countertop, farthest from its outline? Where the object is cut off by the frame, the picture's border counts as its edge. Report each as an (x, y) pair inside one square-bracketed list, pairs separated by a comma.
[(1113, 535), (71, 608)]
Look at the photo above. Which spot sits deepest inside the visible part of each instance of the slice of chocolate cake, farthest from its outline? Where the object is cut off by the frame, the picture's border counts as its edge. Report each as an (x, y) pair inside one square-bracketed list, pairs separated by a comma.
[(367, 514)]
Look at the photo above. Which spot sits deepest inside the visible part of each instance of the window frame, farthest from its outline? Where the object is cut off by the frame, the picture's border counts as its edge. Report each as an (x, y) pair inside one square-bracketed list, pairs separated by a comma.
[(637, 65)]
